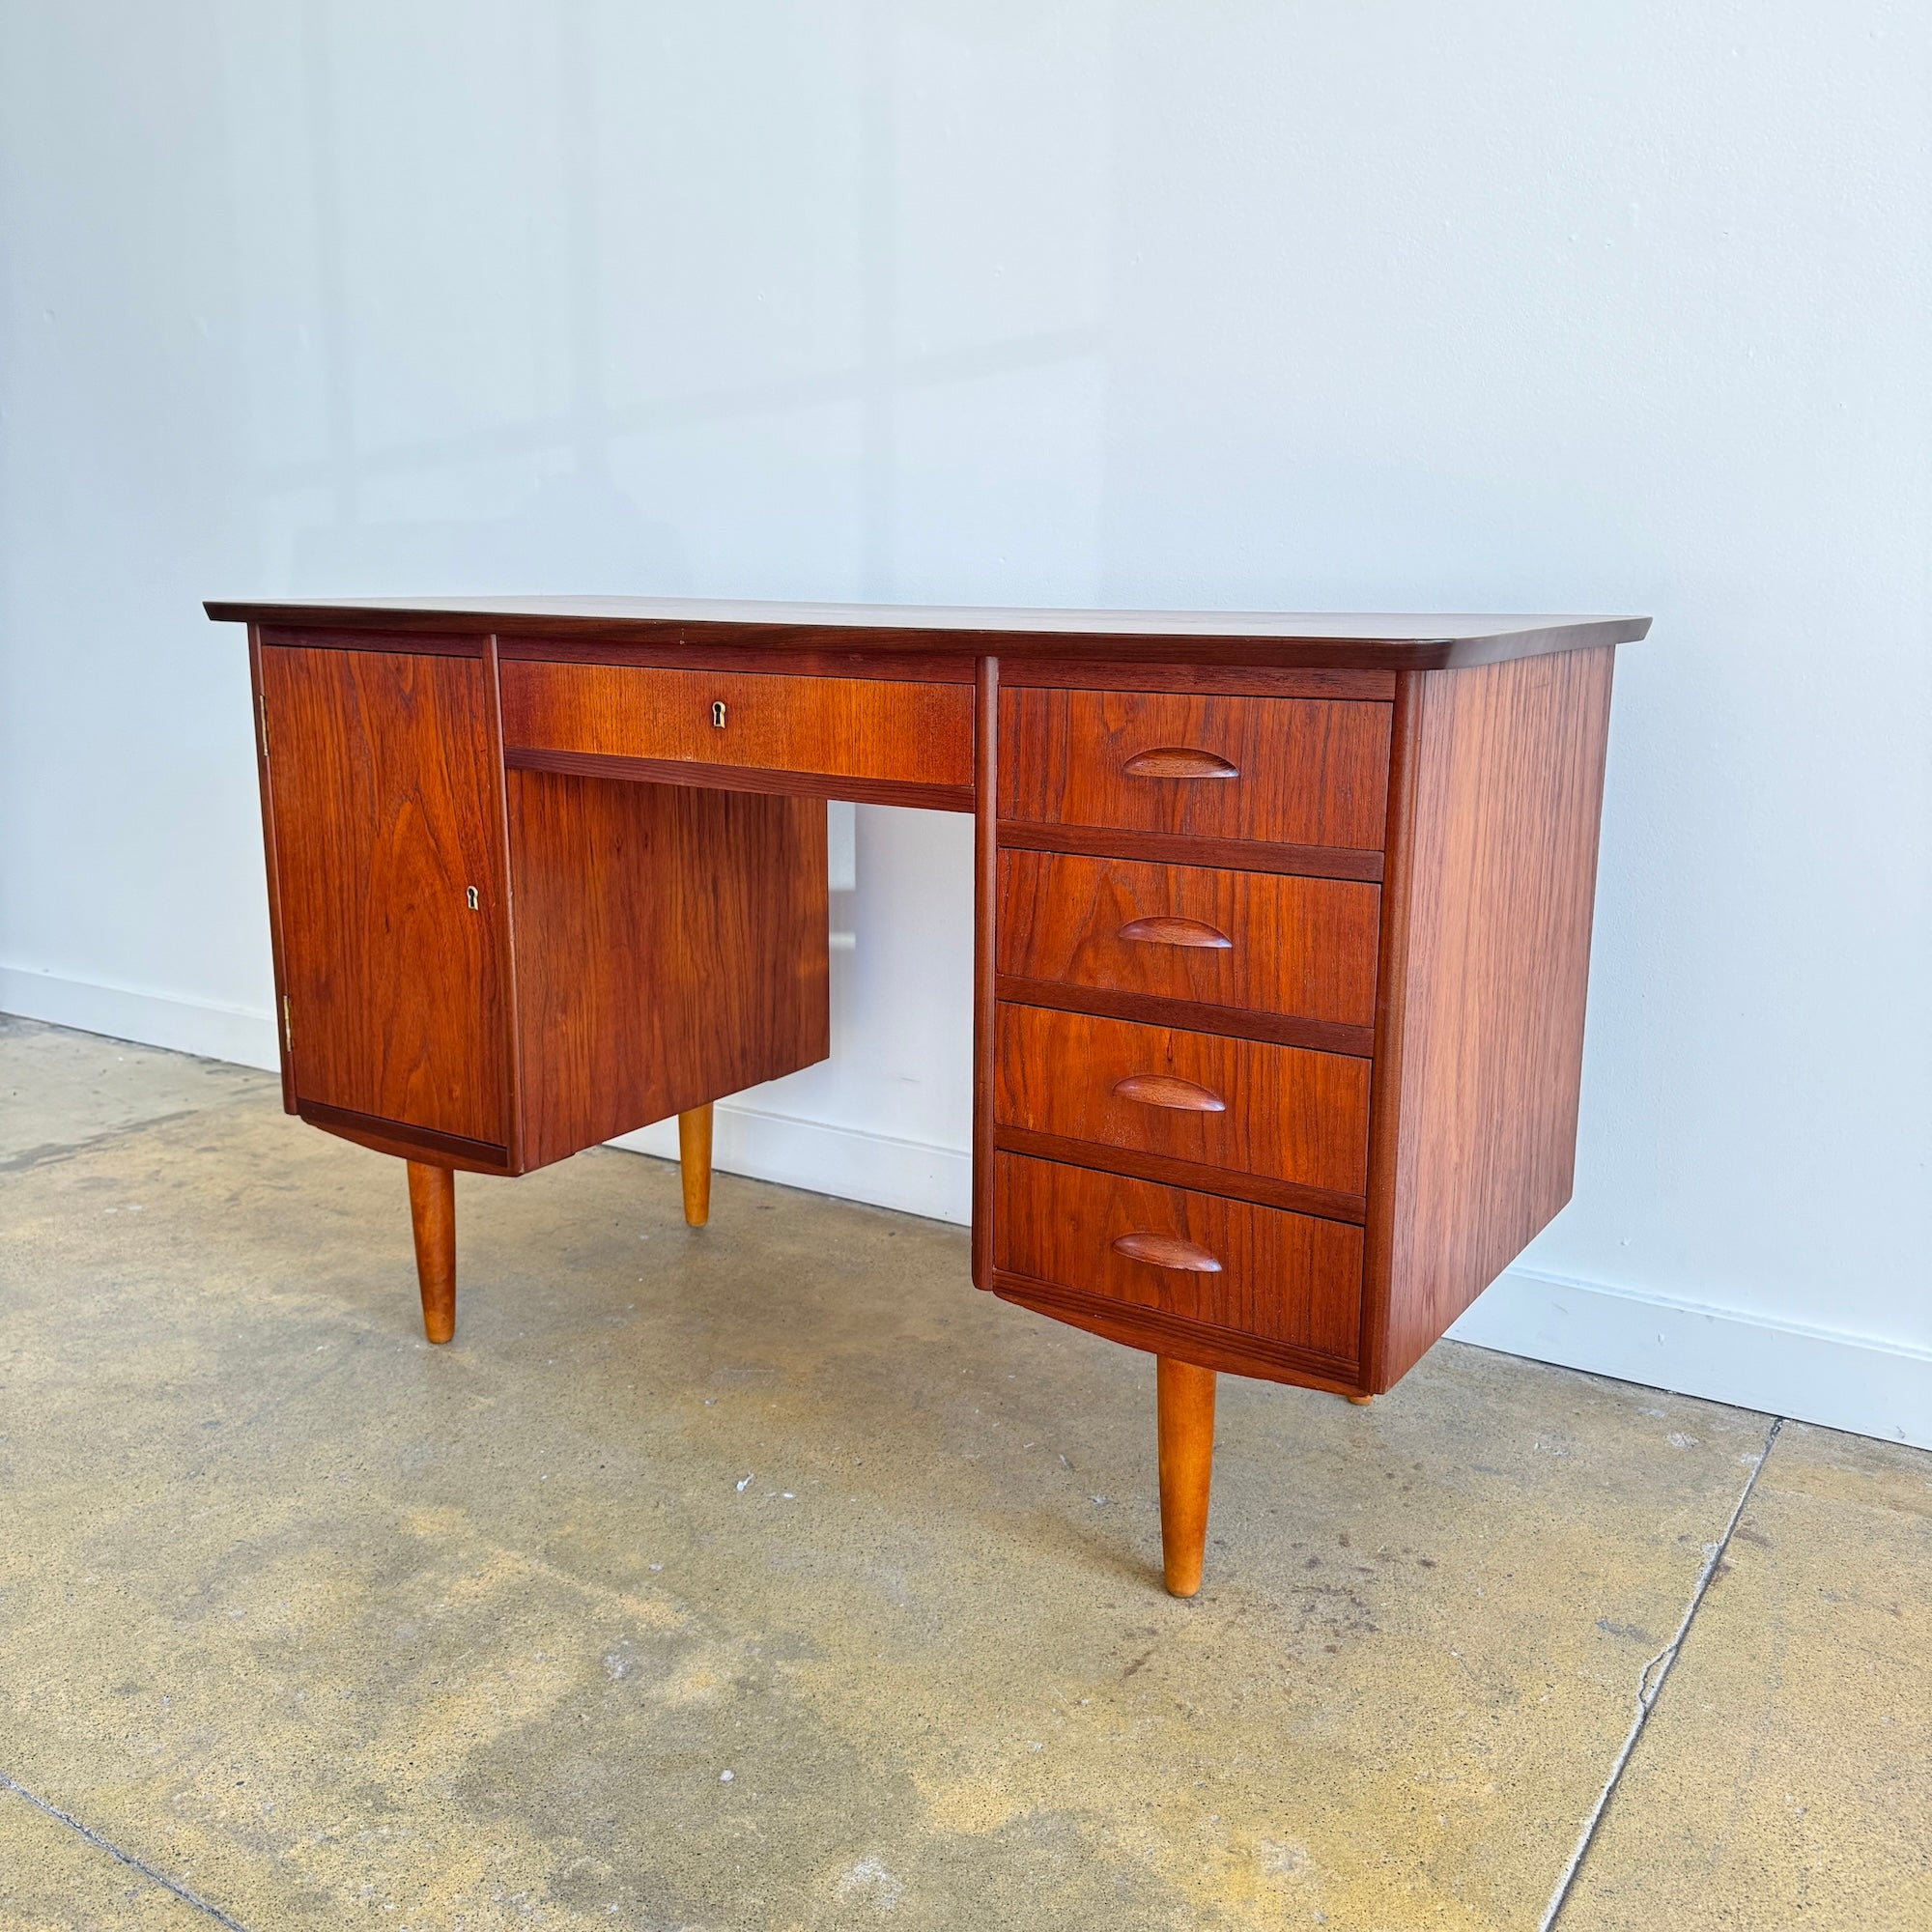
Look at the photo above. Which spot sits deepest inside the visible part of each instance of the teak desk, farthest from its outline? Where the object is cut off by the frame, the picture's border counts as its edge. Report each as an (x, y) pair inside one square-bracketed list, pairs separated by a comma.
[(1282, 931)]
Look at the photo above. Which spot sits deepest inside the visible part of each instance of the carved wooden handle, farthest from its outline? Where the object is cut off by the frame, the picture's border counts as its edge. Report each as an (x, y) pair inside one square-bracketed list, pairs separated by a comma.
[(1178, 761), (1169, 1090), (1167, 1251), (1165, 929)]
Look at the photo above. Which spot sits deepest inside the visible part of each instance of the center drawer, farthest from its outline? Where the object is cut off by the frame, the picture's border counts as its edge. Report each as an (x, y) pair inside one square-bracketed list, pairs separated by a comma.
[(896, 730), (1267, 941), (1277, 1112), (1259, 1270)]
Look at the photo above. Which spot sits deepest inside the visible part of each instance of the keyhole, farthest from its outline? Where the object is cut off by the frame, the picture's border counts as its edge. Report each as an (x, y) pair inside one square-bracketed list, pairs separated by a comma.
[(718, 713), (470, 894)]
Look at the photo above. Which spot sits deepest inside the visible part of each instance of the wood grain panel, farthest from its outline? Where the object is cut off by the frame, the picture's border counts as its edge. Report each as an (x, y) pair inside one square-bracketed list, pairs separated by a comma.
[(795, 661), (1207, 679), (876, 729), (1297, 945), (259, 718), (1385, 1068), (408, 1143), (1238, 1022), (1493, 883), (1239, 1185), (670, 949), (986, 969), (745, 778), (1240, 855), (1160, 1333), (499, 840), (1290, 771), (1286, 1277), (1296, 1116), (412, 644), (384, 775)]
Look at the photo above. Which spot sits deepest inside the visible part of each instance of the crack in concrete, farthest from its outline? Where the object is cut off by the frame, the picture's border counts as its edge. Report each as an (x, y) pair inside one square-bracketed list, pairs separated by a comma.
[(147, 1872), (50, 1152), (1650, 1685)]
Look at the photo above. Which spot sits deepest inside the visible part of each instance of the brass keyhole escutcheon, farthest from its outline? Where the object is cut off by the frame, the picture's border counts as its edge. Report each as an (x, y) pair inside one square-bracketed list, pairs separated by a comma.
[(470, 897), (718, 713)]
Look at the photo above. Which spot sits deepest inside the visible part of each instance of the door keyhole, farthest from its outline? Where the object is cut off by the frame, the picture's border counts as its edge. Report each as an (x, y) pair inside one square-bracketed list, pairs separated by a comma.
[(718, 713), (470, 896)]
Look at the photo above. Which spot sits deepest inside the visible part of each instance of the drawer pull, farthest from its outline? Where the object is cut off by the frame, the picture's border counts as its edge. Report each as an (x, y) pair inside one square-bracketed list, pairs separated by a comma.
[(1169, 1090), (1167, 1251), (1165, 929), (1176, 761)]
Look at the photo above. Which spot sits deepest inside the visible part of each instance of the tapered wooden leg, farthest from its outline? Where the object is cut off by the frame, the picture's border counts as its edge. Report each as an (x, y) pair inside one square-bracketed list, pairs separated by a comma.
[(433, 1221), (693, 1159), (1186, 1399)]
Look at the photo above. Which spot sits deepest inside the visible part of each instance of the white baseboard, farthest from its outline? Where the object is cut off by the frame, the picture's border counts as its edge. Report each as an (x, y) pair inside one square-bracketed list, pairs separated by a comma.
[(1853, 1382), (203, 1027), (912, 1177)]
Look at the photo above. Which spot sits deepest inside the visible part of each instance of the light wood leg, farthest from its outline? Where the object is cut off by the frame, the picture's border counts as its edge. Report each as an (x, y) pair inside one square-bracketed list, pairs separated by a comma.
[(1186, 1399), (693, 1159), (432, 1222)]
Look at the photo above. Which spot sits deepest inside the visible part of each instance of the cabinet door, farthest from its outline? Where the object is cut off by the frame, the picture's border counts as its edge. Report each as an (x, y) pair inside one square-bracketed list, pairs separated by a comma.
[(385, 784)]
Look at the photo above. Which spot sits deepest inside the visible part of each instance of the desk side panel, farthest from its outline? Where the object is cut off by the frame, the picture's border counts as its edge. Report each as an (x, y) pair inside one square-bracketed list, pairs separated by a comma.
[(1491, 894), (671, 948)]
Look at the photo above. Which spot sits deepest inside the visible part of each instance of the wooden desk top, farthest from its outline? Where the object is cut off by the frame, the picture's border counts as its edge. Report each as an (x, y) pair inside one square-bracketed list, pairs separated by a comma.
[(1282, 639)]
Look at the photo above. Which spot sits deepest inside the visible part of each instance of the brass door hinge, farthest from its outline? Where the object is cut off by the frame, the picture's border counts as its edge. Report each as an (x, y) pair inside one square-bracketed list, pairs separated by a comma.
[(262, 713), (288, 1025)]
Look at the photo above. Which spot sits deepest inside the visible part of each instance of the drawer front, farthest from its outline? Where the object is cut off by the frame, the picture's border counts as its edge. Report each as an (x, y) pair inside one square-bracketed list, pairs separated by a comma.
[(1258, 1271), (896, 730), (1271, 942), (1287, 770), (1277, 1111)]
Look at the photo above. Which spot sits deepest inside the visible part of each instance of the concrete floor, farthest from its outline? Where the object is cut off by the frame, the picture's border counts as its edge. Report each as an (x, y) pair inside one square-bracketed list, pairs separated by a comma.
[(769, 1577)]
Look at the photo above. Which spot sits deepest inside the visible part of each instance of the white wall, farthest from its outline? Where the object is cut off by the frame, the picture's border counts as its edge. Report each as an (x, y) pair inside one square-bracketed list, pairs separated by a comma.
[(1496, 306)]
